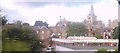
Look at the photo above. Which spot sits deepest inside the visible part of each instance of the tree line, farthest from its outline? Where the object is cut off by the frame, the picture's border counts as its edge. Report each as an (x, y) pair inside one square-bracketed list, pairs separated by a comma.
[(19, 37)]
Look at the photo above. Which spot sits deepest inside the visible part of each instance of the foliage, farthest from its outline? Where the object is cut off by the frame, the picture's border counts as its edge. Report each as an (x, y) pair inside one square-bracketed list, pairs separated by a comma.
[(55, 36), (102, 50), (25, 24), (116, 32), (40, 23), (45, 24), (77, 29), (24, 35), (118, 2), (3, 20), (98, 36)]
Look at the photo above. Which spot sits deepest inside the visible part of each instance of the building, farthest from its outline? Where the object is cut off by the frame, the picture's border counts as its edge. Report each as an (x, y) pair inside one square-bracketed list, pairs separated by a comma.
[(60, 28), (112, 24), (44, 32), (94, 26), (85, 41)]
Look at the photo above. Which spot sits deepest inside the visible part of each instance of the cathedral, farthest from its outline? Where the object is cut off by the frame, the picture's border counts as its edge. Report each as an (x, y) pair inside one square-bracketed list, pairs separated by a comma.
[(94, 26)]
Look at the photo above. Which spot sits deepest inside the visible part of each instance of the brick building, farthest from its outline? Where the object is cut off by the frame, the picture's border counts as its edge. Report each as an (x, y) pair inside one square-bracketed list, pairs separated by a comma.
[(60, 28), (44, 34)]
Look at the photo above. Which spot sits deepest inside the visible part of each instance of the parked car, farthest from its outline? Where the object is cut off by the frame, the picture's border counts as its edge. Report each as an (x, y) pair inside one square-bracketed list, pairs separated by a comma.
[(49, 49)]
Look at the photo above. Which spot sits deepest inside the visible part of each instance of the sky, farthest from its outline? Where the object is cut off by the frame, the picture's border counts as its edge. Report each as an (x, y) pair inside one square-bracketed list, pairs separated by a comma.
[(50, 11)]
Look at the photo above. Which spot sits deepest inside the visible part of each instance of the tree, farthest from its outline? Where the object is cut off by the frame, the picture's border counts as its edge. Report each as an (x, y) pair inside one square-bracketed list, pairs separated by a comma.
[(18, 22), (45, 24), (3, 20), (116, 32), (55, 36), (96, 31), (20, 35), (98, 36), (40, 23), (77, 29), (118, 2), (26, 24)]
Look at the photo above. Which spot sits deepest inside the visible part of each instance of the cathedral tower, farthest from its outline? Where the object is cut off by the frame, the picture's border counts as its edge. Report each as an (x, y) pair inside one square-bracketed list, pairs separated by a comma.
[(91, 18)]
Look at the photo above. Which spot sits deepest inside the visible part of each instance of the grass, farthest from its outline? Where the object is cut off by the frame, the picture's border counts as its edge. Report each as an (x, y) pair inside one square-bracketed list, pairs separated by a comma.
[(15, 46)]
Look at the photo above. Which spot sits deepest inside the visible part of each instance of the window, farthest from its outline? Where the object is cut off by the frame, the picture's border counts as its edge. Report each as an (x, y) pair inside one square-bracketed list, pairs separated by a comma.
[(37, 32), (58, 33), (65, 24), (48, 32), (42, 37), (42, 32)]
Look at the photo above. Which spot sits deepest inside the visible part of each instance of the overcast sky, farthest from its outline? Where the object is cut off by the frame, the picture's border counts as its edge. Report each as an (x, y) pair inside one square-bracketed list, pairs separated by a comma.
[(50, 12)]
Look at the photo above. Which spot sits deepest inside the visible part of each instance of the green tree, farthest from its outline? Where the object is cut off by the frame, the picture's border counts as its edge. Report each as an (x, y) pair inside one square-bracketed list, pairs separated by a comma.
[(45, 24), (26, 24), (116, 32), (55, 36), (20, 35), (98, 36), (3, 20), (77, 29), (40, 23)]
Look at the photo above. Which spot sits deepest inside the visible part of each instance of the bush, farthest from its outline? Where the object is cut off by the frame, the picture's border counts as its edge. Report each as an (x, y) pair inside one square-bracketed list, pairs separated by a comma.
[(98, 36), (103, 50)]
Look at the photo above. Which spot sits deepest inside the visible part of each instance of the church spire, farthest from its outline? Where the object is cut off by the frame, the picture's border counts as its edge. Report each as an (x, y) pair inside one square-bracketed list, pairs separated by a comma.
[(91, 11), (60, 18)]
